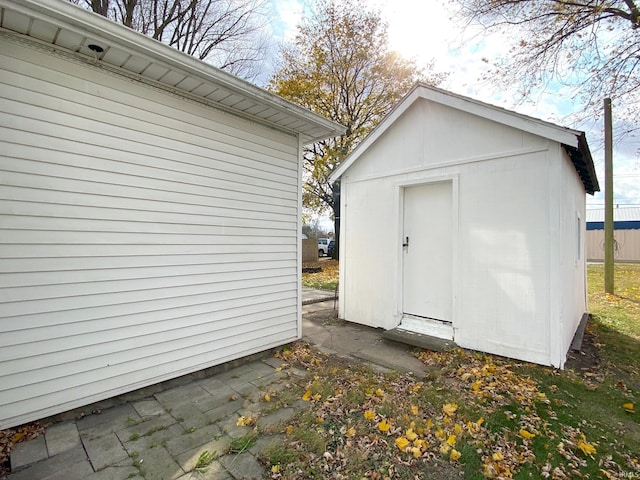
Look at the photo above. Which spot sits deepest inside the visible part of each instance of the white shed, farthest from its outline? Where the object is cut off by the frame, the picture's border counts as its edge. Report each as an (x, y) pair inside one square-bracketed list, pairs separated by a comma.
[(150, 211), (464, 221)]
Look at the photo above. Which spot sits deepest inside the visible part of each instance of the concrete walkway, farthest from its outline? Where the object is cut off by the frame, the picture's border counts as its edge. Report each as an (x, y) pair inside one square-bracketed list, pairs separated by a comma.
[(159, 433)]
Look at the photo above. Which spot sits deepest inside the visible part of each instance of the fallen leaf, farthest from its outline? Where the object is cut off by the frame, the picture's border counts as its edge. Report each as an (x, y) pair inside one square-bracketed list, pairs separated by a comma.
[(451, 440), (586, 447), (350, 432), (526, 434), (369, 414), (245, 421), (307, 396), (455, 455), (402, 443), (450, 408), (629, 407), (384, 426)]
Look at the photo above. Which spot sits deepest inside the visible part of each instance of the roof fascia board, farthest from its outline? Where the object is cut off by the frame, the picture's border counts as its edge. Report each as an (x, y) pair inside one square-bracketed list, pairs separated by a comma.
[(512, 119), (91, 24)]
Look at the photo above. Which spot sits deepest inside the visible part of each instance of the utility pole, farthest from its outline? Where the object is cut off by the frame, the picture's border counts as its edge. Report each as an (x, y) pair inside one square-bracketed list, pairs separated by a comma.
[(608, 198)]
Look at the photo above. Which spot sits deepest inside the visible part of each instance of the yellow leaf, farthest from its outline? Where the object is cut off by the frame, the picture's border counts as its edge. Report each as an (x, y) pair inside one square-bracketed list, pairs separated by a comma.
[(307, 396), (380, 392), (275, 469), (455, 455), (497, 457), (475, 386), (479, 422), (450, 408), (444, 448), (319, 419), (351, 432), (414, 409), (585, 446), (419, 443), (526, 434), (384, 426), (457, 429), (245, 421), (416, 452), (289, 430), (441, 434), (267, 397), (402, 443), (628, 407), (411, 435), (369, 414), (451, 440), (317, 397)]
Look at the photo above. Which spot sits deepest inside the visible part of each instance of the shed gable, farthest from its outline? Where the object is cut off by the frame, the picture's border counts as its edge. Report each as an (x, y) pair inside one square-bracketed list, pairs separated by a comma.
[(430, 135)]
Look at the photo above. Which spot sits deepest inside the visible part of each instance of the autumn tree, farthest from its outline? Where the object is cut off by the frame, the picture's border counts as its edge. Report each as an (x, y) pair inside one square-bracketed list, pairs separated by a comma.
[(340, 66), (591, 45), (229, 34)]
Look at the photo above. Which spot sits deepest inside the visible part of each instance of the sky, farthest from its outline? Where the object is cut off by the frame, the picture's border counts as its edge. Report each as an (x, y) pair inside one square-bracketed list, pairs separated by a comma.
[(428, 30)]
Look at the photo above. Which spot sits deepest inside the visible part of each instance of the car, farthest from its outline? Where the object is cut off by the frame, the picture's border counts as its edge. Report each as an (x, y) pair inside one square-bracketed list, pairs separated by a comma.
[(331, 247), (323, 247)]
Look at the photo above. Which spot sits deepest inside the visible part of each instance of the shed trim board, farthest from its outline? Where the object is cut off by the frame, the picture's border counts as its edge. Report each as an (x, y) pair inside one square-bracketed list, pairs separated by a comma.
[(518, 270), (146, 232)]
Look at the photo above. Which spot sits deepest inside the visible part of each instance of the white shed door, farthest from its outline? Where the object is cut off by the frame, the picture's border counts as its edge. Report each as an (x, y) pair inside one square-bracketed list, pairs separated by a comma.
[(427, 251)]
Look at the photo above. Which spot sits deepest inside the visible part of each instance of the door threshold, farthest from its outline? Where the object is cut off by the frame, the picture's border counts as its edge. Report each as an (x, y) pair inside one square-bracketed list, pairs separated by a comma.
[(419, 340), (427, 326)]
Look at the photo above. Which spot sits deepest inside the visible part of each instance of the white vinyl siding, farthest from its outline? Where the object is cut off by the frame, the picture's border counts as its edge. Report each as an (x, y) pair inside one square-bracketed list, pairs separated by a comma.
[(143, 235)]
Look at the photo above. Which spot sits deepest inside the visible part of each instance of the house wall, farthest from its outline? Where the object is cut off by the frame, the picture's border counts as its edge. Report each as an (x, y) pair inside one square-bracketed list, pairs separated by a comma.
[(142, 235), (502, 248), (626, 245)]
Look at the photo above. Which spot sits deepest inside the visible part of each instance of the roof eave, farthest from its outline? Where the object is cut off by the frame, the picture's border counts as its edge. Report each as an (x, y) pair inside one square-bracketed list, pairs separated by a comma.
[(86, 22)]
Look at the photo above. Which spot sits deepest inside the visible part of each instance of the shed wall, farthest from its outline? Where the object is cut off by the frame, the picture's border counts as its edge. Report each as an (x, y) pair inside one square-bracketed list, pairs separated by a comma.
[(569, 222), (501, 269), (142, 235)]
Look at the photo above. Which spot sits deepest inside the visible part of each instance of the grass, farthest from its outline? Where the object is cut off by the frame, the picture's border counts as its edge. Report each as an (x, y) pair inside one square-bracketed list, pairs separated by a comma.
[(477, 416), (204, 460), (617, 318), (327, 279)]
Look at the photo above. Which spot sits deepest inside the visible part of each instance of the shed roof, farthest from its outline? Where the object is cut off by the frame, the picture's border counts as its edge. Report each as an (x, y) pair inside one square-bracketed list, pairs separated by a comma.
[(574, 141), (66, 26), (624, 214)]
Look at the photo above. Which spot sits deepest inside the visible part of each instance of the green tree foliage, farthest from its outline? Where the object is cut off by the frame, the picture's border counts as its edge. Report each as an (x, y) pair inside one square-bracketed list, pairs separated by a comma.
[(340, 66), (592, 45)]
